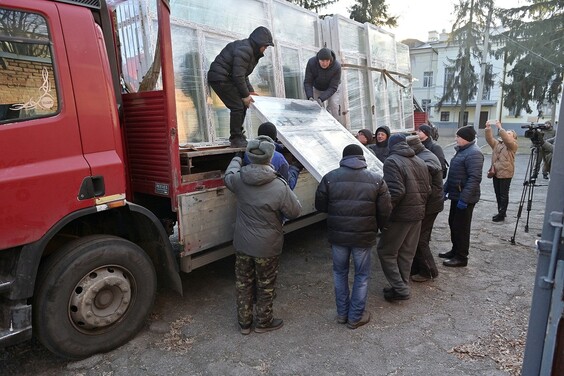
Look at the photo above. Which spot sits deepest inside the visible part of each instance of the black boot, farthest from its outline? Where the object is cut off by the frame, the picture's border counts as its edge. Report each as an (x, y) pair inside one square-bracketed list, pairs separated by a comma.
[(498, 218)]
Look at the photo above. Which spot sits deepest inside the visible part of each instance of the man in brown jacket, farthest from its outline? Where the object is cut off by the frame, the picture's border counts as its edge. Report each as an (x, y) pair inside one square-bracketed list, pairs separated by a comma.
[(503, 165)]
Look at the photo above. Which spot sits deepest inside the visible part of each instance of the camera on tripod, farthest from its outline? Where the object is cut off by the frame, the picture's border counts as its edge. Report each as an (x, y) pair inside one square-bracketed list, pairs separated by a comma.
[(535, 133)]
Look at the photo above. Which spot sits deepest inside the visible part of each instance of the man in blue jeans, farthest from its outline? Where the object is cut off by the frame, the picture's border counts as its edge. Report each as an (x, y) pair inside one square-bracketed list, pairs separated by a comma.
[(358, 204)]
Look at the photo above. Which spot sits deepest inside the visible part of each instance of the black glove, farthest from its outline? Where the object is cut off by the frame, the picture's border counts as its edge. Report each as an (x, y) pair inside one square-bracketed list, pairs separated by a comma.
[(240, 154)]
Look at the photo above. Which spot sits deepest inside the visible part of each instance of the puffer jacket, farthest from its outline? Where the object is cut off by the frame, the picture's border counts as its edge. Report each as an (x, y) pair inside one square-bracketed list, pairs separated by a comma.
[(357, 201), (263, 200), (408, 182), (435, 202), (238, 59), (503, 153), (381, 148), (438, 151), (325, 80), (465, 174)]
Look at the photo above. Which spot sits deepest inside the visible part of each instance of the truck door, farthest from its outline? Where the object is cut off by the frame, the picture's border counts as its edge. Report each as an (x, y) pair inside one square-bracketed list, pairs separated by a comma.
[(42, 166)]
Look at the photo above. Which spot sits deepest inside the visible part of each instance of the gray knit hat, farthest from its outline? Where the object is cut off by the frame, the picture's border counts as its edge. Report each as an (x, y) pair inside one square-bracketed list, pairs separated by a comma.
[(413, 141), (260, 150)]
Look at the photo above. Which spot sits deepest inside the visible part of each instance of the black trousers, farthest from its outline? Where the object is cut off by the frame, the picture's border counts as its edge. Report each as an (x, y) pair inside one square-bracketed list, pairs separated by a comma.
[(460, 221), (229, 95), (501, 189), (423, 262)]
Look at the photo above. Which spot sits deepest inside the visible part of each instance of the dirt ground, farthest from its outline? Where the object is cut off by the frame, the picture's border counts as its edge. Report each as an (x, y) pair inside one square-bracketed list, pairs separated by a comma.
[(468, 321)]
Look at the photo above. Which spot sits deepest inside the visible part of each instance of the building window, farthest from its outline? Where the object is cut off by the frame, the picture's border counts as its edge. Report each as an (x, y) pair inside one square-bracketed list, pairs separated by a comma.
[(427, 79), (465, 118), (445, 116), (27, 80), (426, 105), (449, 77)]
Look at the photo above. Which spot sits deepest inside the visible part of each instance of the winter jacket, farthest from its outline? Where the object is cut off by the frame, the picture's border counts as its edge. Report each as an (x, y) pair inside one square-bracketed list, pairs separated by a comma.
[(409, 183), (435, 202), (263, 200), (438, 151), (238, 59), (381, 148), (357, 201), (325, 80), (465, 174), (503, 153)]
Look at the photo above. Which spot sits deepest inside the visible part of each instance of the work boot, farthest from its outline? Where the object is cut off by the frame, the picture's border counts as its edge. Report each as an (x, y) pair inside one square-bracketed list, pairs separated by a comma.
[(245, 329), (498, 218), (274, 325), (363, 320), (238, 141), (393, 295)]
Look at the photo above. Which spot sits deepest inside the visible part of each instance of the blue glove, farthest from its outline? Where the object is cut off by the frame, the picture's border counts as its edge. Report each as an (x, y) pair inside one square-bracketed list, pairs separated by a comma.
[(461, 205)]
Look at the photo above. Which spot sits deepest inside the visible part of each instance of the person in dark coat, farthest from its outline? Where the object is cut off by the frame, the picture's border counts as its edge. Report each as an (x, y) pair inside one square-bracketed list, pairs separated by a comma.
[(358, 204), (380, 147), (409, 184), (263, 200), (462, 188), (424, 267), (229, 78), (365, 137), (424, 132), (322, 80)]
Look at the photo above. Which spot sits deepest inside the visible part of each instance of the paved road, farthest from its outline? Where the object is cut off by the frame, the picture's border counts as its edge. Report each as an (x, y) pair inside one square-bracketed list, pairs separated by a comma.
[(469, 321)]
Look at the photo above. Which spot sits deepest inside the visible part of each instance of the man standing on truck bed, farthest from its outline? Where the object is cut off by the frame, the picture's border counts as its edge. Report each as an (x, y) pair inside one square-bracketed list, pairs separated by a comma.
[(263, 200), (322, 80), (229, 78)]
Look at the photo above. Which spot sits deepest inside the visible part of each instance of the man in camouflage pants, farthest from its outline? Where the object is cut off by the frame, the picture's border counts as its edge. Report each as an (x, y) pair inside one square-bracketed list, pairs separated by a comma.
[(263, 200)]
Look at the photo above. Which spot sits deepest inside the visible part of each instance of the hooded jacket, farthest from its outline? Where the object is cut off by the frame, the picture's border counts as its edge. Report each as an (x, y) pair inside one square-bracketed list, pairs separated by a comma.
[(436, 149), (503, 153), (465, 174), (381, 148), (238, 59), (325, 80), (435, 202), (357, 202), (408, 181), (263, 200)]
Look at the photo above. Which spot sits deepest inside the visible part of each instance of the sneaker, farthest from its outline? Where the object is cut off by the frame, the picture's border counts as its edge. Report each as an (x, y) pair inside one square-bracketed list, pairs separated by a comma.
[(420, 278), (363, 320), (245, 329), (393, 295), (342, 319), (274, 325)]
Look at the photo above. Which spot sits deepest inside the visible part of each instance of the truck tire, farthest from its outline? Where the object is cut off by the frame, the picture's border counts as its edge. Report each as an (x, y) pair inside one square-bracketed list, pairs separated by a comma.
[(92, 296)]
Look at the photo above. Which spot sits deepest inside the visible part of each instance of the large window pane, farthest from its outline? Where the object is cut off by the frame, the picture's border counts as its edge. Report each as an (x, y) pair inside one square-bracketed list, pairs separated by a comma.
[(294, 25)]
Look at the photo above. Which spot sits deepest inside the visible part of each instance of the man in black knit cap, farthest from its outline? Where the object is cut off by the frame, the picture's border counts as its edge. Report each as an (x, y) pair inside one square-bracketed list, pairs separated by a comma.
[(322, 80)]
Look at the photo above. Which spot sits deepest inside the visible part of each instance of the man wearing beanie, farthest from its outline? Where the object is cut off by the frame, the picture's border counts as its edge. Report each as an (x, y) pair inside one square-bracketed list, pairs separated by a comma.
[(424, 267), (358, 204), (409, 184), (322, 80), (462, 188), (380, 147), (263, 200), (229, 78), (424, 133), (278, 161)]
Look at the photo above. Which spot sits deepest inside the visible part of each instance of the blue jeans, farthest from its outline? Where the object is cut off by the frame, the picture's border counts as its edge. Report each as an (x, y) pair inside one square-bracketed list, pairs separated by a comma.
[(351, 306)]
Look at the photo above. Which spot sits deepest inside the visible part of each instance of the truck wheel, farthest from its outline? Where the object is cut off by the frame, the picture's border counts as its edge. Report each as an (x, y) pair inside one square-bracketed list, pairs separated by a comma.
[(92, 296)]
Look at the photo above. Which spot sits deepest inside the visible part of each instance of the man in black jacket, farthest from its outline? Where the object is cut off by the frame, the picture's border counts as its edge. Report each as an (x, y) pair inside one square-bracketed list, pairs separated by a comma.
[(322, 80), (229, 78), (358, 204), (424, 132)]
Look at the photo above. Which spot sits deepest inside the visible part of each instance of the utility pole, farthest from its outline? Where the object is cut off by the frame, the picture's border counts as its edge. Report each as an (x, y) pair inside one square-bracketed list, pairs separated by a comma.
[(483, 67)]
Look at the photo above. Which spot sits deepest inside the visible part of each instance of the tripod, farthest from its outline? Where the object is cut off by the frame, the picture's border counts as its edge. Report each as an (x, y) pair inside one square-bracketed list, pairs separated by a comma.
[(531, 175)]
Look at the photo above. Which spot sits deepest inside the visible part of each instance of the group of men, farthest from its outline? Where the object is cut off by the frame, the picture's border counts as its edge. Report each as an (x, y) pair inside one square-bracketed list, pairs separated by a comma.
[(400, 206)]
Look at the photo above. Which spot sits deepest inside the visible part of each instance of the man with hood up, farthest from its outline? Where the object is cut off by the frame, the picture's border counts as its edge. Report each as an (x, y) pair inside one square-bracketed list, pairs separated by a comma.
[(322, 80), (380, 147), (229, 78), (264, 199)]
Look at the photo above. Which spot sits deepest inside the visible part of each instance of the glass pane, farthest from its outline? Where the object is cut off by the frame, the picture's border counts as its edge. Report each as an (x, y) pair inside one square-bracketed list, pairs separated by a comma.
[(27, 80), (403, 60), (310, 133), (189, 81), (394, 103), (220, 113), (382, 50), (380, 100), (352, 37), (293, 25), (293, 77), (359, 105)]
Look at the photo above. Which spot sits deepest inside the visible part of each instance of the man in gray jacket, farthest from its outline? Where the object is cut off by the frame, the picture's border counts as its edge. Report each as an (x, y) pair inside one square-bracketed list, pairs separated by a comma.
[(409, 184), (358, 204), (263, 200)]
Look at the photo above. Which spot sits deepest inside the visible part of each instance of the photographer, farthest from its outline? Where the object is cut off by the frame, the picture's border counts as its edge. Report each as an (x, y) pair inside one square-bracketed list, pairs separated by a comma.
[(545, 152), (503, 165)]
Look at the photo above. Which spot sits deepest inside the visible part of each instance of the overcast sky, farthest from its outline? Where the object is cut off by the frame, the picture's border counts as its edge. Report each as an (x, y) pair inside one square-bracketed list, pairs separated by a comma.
[(417, 18)]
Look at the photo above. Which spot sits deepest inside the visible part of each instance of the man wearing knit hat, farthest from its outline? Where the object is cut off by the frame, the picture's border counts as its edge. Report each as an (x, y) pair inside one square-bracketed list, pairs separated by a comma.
[(263, 200), (424, 133), (358, 204), (322, 80), (409, 184), (364, 136), (462, 188)]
